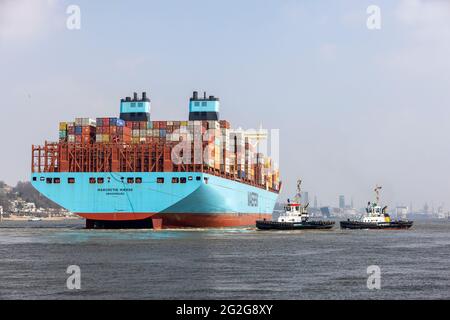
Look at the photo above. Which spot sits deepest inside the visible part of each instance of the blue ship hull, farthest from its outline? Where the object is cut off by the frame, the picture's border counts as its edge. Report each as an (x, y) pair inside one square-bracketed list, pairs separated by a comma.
[(196, 200)]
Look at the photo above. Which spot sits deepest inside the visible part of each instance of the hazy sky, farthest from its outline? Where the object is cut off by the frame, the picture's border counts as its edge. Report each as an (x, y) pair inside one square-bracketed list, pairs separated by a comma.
[(355, 107)]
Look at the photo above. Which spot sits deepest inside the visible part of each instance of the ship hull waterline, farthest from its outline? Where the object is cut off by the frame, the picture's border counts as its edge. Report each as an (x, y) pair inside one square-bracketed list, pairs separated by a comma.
[(357, 225), (308, 225), (174, 220)]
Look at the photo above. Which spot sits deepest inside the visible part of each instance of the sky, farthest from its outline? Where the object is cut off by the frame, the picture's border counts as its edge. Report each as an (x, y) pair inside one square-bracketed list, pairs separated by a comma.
[(355, 107)]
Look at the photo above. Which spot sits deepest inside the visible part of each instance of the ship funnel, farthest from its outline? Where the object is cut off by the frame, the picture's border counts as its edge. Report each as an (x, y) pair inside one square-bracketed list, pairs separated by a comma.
[(136, 108), (203, 109)]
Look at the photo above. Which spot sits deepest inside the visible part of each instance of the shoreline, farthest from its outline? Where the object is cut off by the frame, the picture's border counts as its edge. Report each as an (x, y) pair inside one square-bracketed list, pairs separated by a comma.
[(26, 218)]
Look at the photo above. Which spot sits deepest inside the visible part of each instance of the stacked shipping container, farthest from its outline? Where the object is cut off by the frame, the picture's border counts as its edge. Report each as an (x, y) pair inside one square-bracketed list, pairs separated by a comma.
[(82, 130), (224, 150), (112, 130)]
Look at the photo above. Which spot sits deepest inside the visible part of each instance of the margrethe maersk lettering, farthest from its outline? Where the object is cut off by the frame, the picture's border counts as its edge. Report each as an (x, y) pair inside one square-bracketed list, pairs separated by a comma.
[(131, 171)]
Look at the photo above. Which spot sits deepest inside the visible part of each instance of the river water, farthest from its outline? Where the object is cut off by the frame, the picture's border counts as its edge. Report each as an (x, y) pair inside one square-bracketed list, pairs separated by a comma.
[(234, 263)]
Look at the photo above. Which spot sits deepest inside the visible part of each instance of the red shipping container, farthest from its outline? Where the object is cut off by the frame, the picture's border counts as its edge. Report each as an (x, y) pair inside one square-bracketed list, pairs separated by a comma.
[(224, 124), (78, 139), (105, 122)]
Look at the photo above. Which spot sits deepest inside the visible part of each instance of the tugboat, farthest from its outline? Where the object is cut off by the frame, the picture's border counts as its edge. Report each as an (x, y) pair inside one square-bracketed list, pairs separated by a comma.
[(295, 217), (376, 218)]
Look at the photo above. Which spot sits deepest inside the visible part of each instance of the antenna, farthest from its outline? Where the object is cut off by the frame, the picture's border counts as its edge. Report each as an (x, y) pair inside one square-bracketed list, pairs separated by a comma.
[(377, 193), (298, 196)]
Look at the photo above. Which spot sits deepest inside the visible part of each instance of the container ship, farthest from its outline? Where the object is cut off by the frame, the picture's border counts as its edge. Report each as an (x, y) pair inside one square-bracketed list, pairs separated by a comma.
[(130, 171)]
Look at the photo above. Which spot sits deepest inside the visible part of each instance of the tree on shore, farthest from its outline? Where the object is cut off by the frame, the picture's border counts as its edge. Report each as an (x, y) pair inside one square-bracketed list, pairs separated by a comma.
[(4, 199), (28, 193)]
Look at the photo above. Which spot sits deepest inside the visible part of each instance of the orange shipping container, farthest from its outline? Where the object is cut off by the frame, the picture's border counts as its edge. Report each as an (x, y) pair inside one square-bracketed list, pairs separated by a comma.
[(87, 130), (143, 125)]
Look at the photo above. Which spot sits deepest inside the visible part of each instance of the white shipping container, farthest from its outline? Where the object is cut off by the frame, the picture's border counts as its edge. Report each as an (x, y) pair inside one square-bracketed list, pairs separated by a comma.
[(184, 129), (92, 122), (85, 122)]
